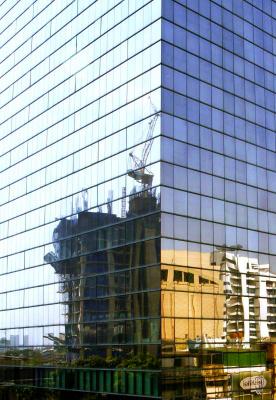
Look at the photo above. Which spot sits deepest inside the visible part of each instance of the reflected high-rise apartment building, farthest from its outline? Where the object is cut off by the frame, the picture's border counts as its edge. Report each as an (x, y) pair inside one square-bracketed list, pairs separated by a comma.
[(138, 199)]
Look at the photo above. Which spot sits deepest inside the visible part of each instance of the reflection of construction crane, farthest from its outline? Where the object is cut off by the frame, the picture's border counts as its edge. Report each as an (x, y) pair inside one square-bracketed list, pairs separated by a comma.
[(138, 171)]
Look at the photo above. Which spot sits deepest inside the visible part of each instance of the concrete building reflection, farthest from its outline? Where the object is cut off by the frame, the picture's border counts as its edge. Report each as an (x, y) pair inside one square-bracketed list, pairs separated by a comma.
[(217, 326), (183, 290)]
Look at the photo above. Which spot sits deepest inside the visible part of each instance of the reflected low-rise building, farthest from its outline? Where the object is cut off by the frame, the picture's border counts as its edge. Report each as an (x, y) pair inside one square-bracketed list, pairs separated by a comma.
[(250, 292), (192, 303), (216, 329)]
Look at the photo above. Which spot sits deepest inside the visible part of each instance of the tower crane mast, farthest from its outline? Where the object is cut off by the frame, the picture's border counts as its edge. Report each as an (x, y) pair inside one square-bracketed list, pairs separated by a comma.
[(139, 172)]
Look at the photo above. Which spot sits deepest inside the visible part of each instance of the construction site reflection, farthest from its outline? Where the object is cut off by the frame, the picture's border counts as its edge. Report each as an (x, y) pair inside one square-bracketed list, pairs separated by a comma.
[(109, 274)]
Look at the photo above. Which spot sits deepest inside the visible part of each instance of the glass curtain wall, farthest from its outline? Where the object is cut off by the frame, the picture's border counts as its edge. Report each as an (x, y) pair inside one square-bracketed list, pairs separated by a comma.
[(79, 193), (133, 241), (218, 175)]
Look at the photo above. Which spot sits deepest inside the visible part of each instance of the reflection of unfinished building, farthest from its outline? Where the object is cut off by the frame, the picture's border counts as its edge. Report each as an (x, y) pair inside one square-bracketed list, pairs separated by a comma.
[(250, 290), (192, 302), (101, 261)]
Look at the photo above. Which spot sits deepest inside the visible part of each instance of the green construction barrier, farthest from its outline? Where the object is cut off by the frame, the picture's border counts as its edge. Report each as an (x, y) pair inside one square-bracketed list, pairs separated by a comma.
[(147, 383), (87, 384), (94, 381), (108, 381), (81, 380), (139, 382), (101, 381), (116, 378), (123, 382), (130, 382), (155, 385)]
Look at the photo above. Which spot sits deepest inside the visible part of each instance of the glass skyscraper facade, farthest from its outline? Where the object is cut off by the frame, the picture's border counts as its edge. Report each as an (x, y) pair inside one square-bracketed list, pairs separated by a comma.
[(137, 199), (218, 185)]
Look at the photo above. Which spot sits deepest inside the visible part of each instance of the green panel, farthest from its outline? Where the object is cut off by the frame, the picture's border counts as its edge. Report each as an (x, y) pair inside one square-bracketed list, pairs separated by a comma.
[(244, 359), (108, 381), (123, 382), (81, 379), (94, 381), (101, 381), (48, 379), (116, 378), (139, 382), (130, 382), (155, 385), (38, 377), (62, 379), (88, 380), (41, 375), (147, 383), (57, 378)]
